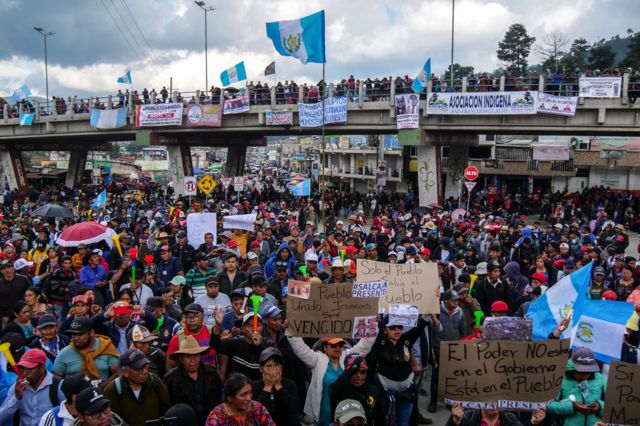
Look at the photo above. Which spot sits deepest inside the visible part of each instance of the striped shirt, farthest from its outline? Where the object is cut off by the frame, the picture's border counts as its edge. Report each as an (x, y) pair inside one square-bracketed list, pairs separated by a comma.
[(196, 279)]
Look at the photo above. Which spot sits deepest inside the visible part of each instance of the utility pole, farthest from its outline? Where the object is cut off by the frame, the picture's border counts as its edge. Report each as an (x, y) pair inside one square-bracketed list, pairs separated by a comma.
[(206, 9), (45, 34)]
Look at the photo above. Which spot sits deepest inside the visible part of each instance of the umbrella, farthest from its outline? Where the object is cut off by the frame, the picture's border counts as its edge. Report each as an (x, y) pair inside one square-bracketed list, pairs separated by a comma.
[(458, 214), (420, 210), (53, 210), (85, 232), (435, 206)]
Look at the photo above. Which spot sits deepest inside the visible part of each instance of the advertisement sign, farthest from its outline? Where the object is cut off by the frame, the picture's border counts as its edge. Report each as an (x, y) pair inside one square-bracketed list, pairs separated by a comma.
[(310, 115), (407, 111), (237, 105), (600, 87), (482, 103), (278, 118), (560, 105), (152, 115), (204, 115)]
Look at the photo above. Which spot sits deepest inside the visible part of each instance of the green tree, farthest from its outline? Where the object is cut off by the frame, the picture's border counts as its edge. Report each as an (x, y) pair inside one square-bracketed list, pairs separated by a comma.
[(550, 49), (459, 71), (632, 58), (578, 54), (601, 56), (514, 48)]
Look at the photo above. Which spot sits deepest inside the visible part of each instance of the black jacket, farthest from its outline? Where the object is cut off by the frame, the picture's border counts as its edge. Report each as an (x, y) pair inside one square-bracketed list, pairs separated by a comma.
[(202, 394), (372, 399), (226, 285), (283, 405), (473, 418)]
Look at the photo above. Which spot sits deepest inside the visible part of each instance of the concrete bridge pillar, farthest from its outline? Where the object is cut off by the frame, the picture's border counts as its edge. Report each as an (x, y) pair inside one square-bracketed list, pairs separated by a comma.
[(236, 156), (77, 161), (428, 174), (179, 156), (13, 171)]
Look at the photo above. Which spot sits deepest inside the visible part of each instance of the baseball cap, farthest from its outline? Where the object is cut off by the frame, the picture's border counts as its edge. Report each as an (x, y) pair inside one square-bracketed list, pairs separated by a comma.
[(141, 334), (249, 317), (271, 311), (412, 250), (91, 401), (255, 244), (337, 263), (569, 263), (280, 264), (348, 410), (73, 385), (481, 268), (598, 270), (392, 253), (5, 263), (194, 308), (539, 276), (564, 245), (178, 280), (21, 263), (47, 320), (134, 358), (450, 295), (269, 353), (251, 255), (32, 358), (584, 360), (609, 295), (499, 306), (311, 257), (80, 325)]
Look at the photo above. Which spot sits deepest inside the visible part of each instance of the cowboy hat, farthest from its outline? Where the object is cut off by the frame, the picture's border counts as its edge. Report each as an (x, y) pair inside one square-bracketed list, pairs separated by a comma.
[(189, 346)]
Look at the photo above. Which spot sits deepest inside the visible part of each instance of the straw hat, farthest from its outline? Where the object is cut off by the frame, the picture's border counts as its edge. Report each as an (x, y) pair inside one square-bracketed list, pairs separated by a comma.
[(189, 346)]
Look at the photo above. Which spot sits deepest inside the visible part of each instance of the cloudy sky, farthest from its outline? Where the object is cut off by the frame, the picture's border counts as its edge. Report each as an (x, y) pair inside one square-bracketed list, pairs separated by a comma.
[(97, 40)]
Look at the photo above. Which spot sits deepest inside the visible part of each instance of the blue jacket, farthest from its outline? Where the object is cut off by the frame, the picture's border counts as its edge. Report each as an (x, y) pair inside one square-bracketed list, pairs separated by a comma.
[(108, 328), (270, 270)]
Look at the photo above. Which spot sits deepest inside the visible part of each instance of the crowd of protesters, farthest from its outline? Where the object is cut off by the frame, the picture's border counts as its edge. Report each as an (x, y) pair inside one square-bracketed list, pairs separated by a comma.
[(103, 334)]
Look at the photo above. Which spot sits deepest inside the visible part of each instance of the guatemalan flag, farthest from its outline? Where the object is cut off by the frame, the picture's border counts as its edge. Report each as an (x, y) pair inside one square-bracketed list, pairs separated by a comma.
[(108, 118), (234, 74), (26, 119), (100, 200), (126, 78), (565, 298), (301, 38), (22, 92), (420, 82), (601, 328), (301, 189)]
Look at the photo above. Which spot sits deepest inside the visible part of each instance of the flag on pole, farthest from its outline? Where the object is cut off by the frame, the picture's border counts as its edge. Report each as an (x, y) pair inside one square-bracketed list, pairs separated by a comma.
[(100, 200), (566, 298), (270, 69), (301, 189), (420, 82), (602, 327), (21, 92), (234, 74), (126, 78), (26, 119), (301, 38)]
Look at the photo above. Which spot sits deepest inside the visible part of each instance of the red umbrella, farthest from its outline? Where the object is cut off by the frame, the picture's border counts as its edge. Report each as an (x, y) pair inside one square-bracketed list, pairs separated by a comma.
[(85, 232), (435, 206)]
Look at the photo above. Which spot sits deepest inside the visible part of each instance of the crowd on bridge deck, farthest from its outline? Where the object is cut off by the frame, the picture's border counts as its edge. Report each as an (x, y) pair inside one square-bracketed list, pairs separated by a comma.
[(563, 82), (179, 330)]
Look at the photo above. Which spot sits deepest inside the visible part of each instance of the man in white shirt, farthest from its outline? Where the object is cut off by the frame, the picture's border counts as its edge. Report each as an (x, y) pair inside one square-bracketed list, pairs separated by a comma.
[(141, 292), (211, 299)]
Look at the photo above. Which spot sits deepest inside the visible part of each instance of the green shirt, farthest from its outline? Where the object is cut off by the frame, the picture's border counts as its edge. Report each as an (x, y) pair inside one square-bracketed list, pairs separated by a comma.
[(197, 280)]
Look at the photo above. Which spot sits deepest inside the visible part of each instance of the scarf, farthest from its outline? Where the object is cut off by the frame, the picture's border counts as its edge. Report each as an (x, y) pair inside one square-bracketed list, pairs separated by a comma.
[(105, 347)]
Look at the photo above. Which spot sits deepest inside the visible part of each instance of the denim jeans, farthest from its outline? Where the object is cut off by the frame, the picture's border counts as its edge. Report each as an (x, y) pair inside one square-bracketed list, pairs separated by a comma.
[(404, 407)]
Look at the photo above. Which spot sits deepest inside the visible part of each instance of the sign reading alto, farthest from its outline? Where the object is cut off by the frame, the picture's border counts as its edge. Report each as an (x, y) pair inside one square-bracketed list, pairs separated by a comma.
[(410, 283), (204, 115), (152, 115), (476, 103)]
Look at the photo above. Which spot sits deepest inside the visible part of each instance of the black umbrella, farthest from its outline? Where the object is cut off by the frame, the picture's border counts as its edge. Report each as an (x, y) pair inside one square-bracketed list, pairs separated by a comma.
[(422, 210), (53, 210)]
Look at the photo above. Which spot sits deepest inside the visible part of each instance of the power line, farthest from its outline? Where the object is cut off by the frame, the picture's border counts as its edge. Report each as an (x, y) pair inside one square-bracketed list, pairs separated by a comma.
[(129, 31), (120, 30), (135, 22)]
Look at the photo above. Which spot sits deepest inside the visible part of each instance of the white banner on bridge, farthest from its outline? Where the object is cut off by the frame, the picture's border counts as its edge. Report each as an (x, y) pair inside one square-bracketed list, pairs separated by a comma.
[(486, 103), (560, 105), (407, 111), (335, 111), (600, 87), (152, 115)]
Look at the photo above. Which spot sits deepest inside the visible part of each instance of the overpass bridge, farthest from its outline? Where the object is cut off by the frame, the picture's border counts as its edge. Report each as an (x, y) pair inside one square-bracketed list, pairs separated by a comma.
[(73, 132)]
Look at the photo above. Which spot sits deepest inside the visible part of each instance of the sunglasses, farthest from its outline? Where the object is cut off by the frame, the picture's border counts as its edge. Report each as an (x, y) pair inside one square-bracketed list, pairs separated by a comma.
[(336, 345), (281, 270), (394, 327)]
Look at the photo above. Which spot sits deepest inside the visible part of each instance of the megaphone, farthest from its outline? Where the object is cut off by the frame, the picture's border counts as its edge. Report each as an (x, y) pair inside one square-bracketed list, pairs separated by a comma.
[(5, 348)]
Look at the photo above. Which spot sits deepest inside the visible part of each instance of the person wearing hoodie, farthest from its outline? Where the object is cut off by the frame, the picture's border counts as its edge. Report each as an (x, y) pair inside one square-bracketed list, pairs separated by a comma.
[(518, 283), (282, 254), (581, 398)]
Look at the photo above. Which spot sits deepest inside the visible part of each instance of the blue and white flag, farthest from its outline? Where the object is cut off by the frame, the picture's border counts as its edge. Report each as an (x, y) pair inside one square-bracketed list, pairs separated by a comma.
[(26, 119), (100, 200), (108, 118), (301, 189), (301, 38), (565, 298), (420, 82), (126, 78), (233, 75), (601, 328), (22, 92)]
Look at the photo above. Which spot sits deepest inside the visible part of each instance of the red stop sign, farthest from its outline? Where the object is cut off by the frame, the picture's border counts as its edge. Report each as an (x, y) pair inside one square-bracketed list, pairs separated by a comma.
[(471, 173)]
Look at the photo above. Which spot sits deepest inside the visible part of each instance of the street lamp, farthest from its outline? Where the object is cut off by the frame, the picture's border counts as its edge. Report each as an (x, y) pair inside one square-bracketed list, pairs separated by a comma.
[(45, 34), (206, 9), (453, 15)]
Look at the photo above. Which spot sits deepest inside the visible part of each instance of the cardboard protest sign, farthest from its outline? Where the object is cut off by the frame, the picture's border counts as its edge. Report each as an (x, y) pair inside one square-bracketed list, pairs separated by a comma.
[(410, 283), (199, 224), (370, 289), (329, 311), (500, 374), (622, 401)]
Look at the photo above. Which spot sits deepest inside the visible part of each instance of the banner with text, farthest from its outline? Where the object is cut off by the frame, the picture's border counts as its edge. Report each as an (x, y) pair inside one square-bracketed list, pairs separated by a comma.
[(600, 87), (409, 283), (622, 400), (335, 111), (278, 118), (487, 103), (152, 115), (560, 105), (407, 111), (500, 374), (328, 312), (204, 115), (199, 224), (237, 105)]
